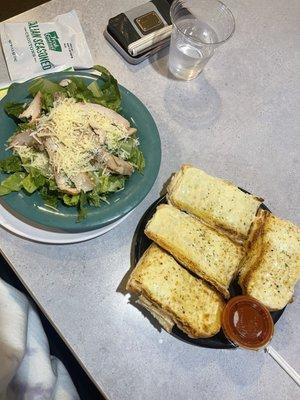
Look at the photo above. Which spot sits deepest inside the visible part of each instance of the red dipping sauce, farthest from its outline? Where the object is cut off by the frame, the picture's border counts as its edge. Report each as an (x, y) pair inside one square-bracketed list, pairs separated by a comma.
[(247, 323)]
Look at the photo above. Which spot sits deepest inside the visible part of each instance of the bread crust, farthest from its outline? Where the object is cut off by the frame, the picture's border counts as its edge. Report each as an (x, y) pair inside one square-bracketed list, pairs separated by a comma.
[(186, 256), (271, 267), (203, 306), (177, 199)]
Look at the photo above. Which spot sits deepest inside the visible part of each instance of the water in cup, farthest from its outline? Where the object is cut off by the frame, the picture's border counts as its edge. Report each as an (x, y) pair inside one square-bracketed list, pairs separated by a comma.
[(191, 47)]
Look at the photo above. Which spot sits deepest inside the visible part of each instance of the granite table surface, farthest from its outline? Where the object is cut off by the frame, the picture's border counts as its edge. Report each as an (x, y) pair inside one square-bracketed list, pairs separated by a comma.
[(239, 120)]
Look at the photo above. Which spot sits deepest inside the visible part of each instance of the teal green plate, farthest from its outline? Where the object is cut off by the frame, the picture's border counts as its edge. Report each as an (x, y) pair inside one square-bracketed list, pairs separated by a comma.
[(31, 209)]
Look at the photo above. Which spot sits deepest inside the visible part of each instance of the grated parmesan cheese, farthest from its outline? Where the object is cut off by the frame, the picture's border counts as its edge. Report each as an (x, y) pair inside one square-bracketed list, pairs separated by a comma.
[(69, 126), (35, 158)]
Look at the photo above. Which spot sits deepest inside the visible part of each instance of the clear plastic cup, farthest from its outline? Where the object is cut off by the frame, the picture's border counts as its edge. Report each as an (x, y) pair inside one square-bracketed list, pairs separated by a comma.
[(199, 26)]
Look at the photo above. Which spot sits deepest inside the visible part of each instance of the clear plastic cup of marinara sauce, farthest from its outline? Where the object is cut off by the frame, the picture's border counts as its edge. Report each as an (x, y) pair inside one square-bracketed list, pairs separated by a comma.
[(247, 323)]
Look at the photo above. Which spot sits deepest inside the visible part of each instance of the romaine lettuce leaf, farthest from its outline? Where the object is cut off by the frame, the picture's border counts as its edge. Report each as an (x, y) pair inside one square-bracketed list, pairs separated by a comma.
[(44, 85), (14, 109), (82, 213), (49, 193), (106, 90), (106, 184), (11, 164), (137, 159), (12, 183), (52, 185), (34, 180), (132, 153), (22, 126), (95, 198), (47, 89), (50, 197), (71, 200), (110, 183), (95, 89), (127, 146), (28, 184), (78, 89)]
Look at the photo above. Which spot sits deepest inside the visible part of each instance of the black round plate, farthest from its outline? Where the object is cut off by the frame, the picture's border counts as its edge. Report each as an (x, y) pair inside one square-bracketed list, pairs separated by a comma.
[(140, 245)]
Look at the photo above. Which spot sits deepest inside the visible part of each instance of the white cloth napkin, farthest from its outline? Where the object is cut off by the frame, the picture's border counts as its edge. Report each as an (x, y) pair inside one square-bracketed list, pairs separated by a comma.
[(27, 370)]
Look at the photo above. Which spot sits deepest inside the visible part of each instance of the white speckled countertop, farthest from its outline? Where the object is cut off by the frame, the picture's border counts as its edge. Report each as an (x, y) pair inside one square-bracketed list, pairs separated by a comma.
[(239, 120)]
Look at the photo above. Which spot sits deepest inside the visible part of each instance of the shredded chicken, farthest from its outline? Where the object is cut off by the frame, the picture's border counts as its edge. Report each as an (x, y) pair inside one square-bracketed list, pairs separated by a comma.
[(113, 163), (107, 112), (63, 184), (33, 111), (26, 138), (99, 132), (89, 141), (61, 179), (83, 181), (65, 82)]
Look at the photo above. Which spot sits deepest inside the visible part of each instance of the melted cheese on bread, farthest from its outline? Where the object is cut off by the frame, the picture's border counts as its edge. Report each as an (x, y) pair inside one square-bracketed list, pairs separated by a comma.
[(209, 254), (217, 202), (173, 295)]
